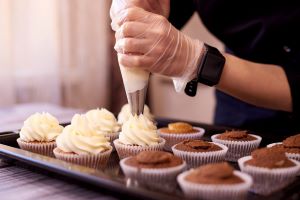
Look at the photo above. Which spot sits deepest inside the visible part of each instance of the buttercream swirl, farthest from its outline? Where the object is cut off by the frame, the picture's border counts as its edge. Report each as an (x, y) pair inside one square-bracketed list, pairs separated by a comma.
[(139, 130), (79, 138), (40, 127), (125, 113), (102, 121)]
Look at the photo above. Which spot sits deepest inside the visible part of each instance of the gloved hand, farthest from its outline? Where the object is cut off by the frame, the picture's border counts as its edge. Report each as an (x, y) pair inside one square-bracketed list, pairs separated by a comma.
[(161, 7), (149, 41)]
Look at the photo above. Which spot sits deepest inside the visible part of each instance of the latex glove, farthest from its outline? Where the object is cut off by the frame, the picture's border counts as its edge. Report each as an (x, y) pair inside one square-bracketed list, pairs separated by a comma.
[(149, 41), (161, 7)]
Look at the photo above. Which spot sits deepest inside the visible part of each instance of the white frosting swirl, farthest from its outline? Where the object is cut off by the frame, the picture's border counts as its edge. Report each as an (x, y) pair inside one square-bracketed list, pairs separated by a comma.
[(41, 127), (79, 138), (139, 130), (126, 113), (102, 121)]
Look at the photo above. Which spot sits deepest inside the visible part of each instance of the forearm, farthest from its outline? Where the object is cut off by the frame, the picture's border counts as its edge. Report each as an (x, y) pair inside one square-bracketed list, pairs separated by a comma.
[(263, 85)]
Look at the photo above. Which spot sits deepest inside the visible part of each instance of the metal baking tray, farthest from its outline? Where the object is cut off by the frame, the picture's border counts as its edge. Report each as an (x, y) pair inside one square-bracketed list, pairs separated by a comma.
[(111, 179)]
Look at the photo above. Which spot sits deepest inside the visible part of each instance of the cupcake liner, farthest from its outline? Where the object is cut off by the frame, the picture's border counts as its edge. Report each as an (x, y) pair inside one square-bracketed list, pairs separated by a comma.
[(44, 148), (238, 149), (112, 137), (195, 159), (163, 179), (267, 181), (295, 156), (98, 161), (132, 150), (215, 191), (175, 138)]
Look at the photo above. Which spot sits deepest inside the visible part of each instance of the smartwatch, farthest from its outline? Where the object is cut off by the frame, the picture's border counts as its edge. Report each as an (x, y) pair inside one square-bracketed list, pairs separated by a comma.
[(209, 70)]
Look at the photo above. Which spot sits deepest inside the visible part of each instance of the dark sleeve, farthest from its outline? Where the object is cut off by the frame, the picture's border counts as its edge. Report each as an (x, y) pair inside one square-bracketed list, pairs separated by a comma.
[(180, 12), (293, 76)]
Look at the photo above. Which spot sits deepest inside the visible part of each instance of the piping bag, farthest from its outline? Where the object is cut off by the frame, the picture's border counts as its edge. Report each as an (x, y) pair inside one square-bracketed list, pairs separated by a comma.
[(136, 84)]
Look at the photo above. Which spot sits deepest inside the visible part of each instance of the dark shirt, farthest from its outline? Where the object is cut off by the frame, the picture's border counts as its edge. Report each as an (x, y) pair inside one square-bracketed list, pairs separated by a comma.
[(259, 32)]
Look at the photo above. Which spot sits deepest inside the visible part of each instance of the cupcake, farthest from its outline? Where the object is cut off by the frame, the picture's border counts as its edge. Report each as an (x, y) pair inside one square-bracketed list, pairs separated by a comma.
[(38, 134), (270, 168), (153, 169), (79, 144), (103, 122), (178, 132), (125, 113), (239, 143), (138, 134), (215, 181), (199, 152), (291, 146)]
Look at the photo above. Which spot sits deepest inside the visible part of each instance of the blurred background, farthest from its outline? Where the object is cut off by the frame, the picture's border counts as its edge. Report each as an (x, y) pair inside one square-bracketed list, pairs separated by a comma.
[(58, 55)]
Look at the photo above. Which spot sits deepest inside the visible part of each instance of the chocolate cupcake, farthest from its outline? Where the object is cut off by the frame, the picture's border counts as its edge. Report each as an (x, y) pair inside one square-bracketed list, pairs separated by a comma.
[(268, 166), (291, 146), (215, 181), (199, 152), (178, 132), (153, 169), (239, 143)]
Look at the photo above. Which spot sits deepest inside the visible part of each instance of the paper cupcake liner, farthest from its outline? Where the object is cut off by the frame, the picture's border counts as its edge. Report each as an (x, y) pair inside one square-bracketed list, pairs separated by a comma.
[(195, 159), (132, 150), (44, 148), (175, 138), (267, 181), (163, 179), (112, 137), (215, 191), (295, 156), (98, 161), (238, 149)]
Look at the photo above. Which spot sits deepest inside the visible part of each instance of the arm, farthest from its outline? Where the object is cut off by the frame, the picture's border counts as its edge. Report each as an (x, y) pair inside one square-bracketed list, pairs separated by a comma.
[(263, 85)]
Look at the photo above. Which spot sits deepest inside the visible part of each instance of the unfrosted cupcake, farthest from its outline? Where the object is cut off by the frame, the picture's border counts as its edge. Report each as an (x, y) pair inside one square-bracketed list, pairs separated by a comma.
[(38, 134), (291, 146), (153, 169), (239, 143), (199, 152), (125, 113), (215, 181), (82, 145), (138, 134), (270, 168), (103, 122), (178, 132)]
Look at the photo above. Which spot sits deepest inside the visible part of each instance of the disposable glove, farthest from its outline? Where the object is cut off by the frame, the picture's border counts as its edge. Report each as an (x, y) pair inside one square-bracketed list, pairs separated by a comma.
[(148, 41), (161, 7)]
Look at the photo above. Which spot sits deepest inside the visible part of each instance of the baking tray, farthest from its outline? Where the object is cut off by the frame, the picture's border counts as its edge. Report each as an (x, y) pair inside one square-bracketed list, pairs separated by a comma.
[(111, 179)]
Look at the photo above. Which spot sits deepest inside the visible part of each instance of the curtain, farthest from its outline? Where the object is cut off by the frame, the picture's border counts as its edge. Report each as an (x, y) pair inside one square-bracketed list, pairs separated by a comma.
[(55, 51)]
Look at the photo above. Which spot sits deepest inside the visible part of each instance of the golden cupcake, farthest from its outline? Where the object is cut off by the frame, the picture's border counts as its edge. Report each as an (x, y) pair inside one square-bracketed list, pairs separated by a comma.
[(38, 134)]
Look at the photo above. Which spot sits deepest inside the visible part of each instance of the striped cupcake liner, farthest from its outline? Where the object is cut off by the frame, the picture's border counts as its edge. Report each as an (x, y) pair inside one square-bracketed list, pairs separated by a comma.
[(43, 148)]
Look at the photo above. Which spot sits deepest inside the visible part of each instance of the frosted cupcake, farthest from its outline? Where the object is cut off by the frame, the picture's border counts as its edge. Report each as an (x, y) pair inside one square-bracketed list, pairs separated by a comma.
[(138, 134), (199, 152), (270, 168), (103, 122), (82, 145), (125, 113), (215, 181), (178, 132), (38, 134), (291, 146), (153, 169), (239, 143)]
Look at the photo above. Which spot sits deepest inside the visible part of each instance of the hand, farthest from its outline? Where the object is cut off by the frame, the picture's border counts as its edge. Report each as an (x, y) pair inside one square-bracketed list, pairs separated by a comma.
[(161, 7), (148, 41)]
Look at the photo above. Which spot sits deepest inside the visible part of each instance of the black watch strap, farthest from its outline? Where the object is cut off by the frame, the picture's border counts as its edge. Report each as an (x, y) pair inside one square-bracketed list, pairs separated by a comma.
[(209, 70)]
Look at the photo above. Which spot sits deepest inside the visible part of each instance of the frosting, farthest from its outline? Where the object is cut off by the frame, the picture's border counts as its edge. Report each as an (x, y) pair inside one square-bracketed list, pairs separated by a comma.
[(125, 114), (41, 127), (102, 121), (79, 138), (134, 79), (139, 130)]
